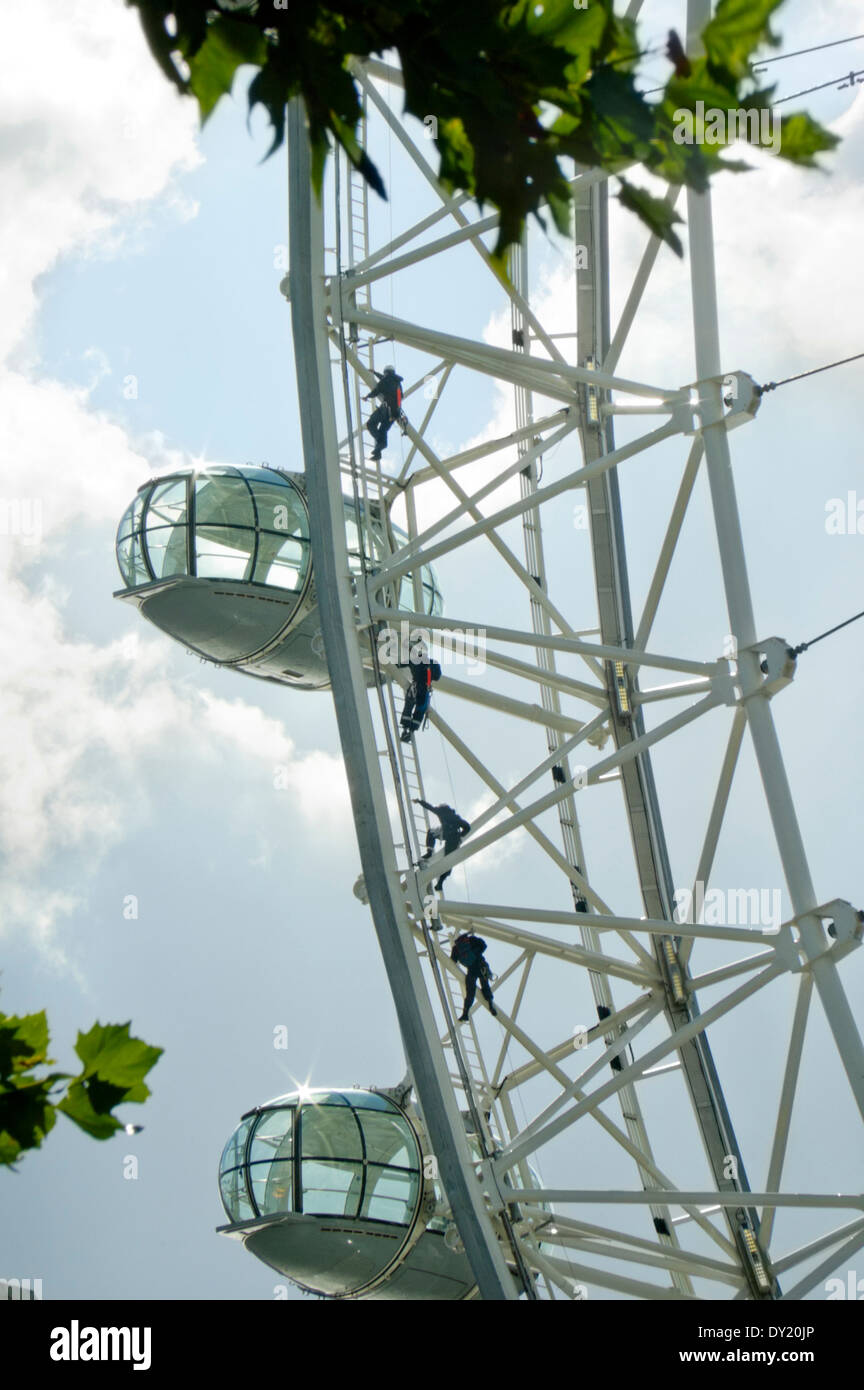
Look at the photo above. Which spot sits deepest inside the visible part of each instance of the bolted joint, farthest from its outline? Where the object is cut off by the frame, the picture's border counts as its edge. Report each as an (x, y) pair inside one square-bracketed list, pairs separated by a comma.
[(846, 924), (741, 397), (777, 663)]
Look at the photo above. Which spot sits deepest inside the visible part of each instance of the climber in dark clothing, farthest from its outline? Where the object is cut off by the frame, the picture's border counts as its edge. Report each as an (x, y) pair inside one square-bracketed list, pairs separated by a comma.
[(468, 951), (419, 693), (389, 388), (452, 832)]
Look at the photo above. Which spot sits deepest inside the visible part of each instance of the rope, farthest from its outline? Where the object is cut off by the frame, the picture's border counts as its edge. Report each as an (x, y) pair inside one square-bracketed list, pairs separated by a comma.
[(772, 385), (802, 647), (453, 795)]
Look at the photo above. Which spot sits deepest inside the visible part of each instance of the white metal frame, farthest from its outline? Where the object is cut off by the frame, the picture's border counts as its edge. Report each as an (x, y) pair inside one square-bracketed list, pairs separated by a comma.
[(502, 1211)]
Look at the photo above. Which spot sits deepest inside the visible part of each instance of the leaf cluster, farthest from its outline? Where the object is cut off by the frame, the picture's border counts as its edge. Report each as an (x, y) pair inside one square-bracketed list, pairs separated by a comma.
[(515, 88), (114, 1065)]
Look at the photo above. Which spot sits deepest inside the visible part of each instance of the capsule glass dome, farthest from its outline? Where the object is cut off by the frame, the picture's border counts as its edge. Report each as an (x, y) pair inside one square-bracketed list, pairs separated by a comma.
[(330, 1189), (219, 558), (225, 523), (334, 1153)]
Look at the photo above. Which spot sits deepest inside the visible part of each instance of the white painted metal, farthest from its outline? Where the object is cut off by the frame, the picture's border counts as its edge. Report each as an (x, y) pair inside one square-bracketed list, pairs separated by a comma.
[(330, 554), (505, 1228)]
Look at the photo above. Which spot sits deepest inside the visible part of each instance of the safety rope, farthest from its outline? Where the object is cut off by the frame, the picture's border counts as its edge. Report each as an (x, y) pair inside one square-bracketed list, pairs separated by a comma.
[(462, 866), (773, 385)]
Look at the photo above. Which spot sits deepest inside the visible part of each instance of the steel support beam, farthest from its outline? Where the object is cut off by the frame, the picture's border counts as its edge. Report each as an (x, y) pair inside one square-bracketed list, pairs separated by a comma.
[(733, 561), (643, 811), (338, 629)]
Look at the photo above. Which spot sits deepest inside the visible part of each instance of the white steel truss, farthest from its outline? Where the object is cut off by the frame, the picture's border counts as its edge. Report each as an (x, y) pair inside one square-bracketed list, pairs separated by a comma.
[(562, 679)]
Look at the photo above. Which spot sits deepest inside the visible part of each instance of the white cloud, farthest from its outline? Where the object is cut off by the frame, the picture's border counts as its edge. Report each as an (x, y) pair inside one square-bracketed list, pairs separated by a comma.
[(786, 245), (98, 135), (80, 726), (90, 130), (79, 465)]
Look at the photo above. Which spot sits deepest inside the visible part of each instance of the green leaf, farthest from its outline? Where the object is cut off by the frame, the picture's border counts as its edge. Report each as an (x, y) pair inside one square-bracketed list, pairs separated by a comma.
[(802, 138), (319, 144), (9, 1149), (229, 44), (115, 1065), (614, 96), (79, 1107), (109, 1053), (457, 155), (358, 156), (576, 31), (26, 1116), (23, 1042), (560, 203), (268, 89), (620, 47), (159, 41), (654, 212), (737, 28), (494, 74), (703, 84)]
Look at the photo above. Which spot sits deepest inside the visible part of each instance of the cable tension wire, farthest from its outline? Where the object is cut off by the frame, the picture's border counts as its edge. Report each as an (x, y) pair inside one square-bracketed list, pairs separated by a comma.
[(772, 385)]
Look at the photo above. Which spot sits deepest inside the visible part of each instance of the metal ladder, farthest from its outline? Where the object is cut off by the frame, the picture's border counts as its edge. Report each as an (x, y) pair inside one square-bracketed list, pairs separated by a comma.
[(472, 1057), (358, 251), (410, 776)]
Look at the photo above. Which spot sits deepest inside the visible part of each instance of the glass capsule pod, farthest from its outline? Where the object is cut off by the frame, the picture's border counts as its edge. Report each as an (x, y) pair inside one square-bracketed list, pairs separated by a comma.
[(329, 1188), (219, 558)]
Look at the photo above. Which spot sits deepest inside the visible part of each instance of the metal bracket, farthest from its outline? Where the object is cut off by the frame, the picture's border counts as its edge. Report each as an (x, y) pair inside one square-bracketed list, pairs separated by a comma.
[(415, 890), (495, 1199), (400, 1094), (361, 601), (843, 923), (742, 398), (333, 300), (777, 663)]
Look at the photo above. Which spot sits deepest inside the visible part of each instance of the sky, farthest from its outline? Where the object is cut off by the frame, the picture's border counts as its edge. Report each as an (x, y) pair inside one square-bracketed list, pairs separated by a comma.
[(142, 330)]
